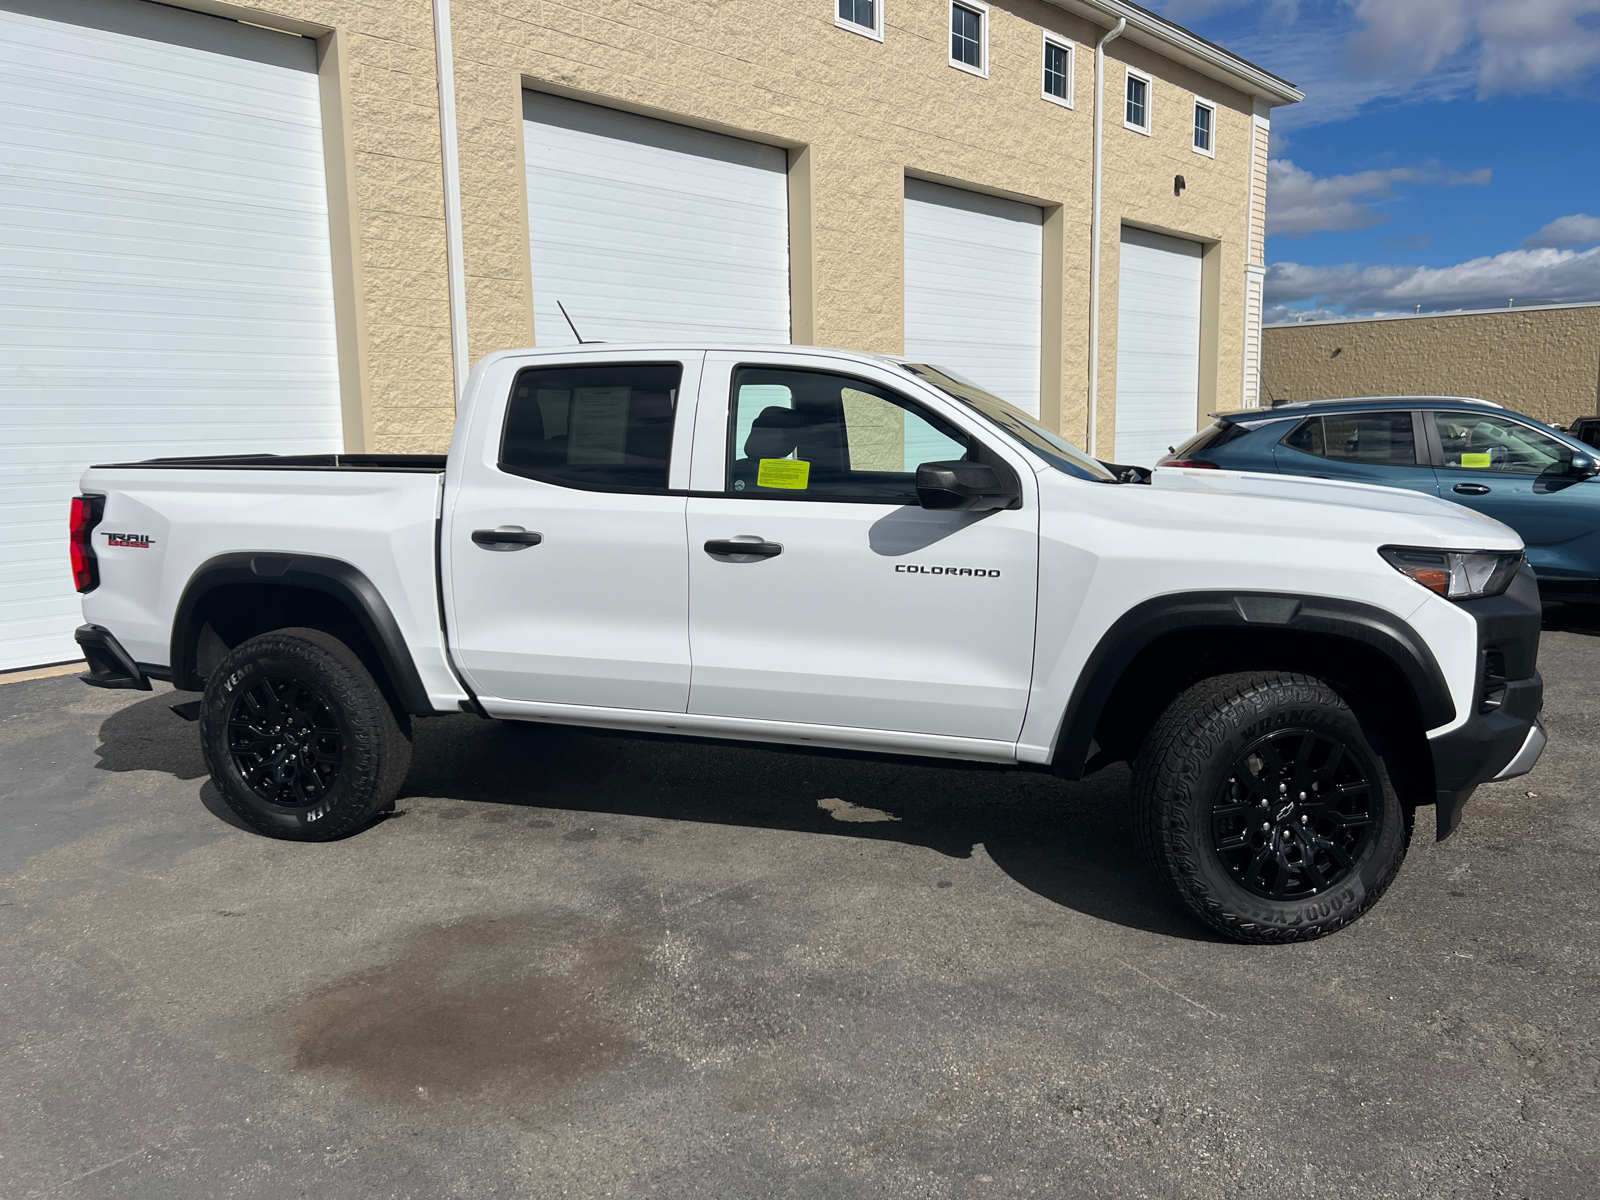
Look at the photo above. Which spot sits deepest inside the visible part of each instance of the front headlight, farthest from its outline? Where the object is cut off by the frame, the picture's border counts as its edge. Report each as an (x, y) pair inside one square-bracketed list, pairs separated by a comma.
[(1457, 574)]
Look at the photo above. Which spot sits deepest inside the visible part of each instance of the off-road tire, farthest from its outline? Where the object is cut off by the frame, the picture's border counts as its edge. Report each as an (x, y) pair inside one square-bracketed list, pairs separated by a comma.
[(363, 749), (1186, 770)]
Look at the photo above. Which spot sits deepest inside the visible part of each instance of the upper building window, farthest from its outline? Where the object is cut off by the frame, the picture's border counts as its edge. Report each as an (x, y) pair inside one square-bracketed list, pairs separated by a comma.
[(969, 36), (1057, 69), (1138, 113), (861, 16), (1205, 127)]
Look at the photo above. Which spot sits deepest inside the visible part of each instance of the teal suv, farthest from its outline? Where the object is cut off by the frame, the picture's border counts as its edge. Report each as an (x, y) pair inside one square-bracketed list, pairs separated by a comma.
[(1534, 478)]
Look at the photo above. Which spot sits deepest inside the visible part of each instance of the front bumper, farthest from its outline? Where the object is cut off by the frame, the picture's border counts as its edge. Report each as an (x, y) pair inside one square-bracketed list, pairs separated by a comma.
[(1502, 738)]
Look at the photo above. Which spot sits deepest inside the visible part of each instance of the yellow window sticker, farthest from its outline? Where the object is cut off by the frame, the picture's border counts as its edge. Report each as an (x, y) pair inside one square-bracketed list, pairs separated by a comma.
[(1476, 462), (783, 473)]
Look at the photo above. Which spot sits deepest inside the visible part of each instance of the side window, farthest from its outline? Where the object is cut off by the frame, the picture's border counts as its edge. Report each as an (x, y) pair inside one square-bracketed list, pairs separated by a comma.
[(1374, 439), (815, 435), (1483, 443), (600, 427)]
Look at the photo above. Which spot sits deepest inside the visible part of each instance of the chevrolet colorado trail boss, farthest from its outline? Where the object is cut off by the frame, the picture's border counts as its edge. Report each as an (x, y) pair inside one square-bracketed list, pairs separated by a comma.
[(820, 548)]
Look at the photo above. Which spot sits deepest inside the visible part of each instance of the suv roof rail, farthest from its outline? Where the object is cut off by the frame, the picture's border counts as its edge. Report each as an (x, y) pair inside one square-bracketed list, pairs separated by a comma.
[(1383, 400)]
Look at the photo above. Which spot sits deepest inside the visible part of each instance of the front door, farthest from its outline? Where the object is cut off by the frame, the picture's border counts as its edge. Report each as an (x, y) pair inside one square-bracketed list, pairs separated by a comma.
[(1517, 475), (820, 591), (565, 560)]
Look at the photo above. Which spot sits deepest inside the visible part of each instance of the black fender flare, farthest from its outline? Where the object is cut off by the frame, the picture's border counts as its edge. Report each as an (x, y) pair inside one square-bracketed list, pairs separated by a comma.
[(332, 576), (1141, 625)]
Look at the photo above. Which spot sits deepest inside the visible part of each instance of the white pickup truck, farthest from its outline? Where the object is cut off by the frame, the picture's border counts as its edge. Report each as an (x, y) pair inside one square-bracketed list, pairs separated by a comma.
[(813, 547)]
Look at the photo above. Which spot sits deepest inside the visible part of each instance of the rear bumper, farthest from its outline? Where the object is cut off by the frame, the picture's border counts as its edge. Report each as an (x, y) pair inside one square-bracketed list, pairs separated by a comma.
[(110, 666)]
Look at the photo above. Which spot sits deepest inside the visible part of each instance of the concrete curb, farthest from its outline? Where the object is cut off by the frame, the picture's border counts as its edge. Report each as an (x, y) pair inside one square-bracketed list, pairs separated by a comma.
[(71, 668)]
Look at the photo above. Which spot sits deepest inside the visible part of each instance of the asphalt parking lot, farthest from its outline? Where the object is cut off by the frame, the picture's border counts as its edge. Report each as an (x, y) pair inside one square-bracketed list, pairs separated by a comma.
[(575, 964)]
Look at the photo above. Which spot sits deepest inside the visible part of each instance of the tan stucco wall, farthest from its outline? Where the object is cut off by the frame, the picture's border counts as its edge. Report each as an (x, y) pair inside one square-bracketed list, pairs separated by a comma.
[(858, 116), (1543, 362)]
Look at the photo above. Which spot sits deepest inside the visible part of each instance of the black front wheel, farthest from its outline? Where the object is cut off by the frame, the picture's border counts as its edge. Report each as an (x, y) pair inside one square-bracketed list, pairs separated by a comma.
[(299, 739), (1262, 801)]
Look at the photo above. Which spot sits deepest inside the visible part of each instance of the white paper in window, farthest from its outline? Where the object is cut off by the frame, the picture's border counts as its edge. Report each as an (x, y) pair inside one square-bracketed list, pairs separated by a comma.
[(599, 432)]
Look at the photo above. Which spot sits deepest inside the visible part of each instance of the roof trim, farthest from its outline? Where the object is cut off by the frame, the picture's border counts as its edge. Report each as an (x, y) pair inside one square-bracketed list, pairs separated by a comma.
[(1178, 43), (1430, 316)]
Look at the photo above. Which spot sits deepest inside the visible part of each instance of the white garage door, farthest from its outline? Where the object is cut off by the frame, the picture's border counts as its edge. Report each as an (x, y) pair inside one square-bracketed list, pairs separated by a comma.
[(165, 284), (974, 288), (1158, 345), (646, 230)]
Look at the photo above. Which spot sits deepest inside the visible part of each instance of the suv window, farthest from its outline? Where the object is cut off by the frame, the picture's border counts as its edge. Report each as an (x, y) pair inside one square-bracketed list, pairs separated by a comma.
[(1376, 439), (598, 427), (1212, 437), (816, 435), (1471, 442)]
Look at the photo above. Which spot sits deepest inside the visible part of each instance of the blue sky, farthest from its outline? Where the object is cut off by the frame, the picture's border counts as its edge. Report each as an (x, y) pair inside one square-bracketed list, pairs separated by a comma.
[(1447, 153)]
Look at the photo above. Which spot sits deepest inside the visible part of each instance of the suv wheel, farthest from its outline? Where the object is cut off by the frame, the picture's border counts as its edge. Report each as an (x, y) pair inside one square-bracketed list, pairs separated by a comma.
[(1263, 802), (299, 739)]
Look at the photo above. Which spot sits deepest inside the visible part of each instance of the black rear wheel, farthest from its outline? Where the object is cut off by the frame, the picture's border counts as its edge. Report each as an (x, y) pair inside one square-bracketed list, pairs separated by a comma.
[(300, 740), (1268, 808)]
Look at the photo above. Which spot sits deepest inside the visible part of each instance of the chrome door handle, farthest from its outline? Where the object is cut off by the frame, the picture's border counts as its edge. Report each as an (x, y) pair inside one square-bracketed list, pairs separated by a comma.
[(732, 548), (1471, 489), (506, 539)]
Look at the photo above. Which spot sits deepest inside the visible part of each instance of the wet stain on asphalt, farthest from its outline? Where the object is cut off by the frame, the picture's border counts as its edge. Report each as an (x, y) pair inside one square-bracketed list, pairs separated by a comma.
[(503, 1013)]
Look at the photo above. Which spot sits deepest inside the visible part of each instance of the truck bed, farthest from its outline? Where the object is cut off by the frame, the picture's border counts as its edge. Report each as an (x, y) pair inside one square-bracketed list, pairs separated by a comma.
[(431, 463), (168, 520)]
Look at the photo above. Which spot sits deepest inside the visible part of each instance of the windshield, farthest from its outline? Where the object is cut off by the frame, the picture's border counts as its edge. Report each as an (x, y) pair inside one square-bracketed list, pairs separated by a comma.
[(1018, 425)]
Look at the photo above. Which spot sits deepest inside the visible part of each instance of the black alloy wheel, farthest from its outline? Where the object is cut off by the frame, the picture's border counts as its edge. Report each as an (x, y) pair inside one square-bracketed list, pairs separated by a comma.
[(1293, 816), (285, 741), (300, 740), (1267, 803)]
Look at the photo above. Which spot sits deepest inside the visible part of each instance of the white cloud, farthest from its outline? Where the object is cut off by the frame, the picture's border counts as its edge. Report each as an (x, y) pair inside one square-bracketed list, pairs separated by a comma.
[(1533, 276), (1300, 204), (1409, 51), (1580, 229), (1519, 46)]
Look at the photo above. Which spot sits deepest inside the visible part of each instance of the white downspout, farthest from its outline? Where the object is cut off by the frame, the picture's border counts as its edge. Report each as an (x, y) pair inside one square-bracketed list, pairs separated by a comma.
[(1094, 233), (455, 268)]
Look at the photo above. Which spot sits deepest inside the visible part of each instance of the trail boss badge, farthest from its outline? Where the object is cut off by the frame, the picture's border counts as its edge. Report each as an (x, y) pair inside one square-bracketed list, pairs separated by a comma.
[(134, 541)]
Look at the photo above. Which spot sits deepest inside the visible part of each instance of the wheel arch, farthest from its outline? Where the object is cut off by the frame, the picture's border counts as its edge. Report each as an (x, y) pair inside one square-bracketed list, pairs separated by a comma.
[(235, 596), (1159, 648)]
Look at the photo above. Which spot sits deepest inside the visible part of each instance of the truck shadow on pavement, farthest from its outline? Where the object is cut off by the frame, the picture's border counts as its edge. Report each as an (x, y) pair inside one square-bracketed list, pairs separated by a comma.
[(1069, 843)]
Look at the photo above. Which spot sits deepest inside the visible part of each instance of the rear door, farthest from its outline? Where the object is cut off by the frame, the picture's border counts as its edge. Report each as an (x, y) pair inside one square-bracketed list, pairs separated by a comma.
[(1516, 474), (853, 606), (1365, 447), (564, 558)]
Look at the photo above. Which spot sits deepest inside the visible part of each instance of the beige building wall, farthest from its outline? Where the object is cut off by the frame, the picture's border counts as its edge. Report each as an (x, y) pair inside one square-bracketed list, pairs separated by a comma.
[(1541, 361), (858, 116)]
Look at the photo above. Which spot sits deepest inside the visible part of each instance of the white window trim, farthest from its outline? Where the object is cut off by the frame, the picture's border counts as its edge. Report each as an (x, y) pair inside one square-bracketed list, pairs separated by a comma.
[(1202, 102), (1149, 103), (1054, 39), (875, 33), (982, 9)]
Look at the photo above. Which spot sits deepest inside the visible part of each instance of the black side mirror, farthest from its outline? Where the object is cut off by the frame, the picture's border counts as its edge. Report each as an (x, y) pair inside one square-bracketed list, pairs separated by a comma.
[(963, 486), (1582, 466)]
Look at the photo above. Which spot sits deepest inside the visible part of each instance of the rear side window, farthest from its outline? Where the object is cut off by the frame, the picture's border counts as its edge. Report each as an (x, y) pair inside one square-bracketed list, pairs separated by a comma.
[(1212, 437), (600, 427), (1376, 439)]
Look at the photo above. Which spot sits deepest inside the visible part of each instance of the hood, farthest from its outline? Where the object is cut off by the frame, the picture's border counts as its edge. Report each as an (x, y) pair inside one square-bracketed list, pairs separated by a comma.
[(1395, 515)]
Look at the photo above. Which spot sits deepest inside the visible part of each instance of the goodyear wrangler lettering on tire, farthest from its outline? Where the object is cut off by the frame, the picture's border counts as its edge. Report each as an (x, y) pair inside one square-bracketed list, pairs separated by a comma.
[(974, 572)]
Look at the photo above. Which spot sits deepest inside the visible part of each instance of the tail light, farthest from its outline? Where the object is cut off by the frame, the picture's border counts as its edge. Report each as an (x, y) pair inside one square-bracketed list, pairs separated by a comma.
[(85, 516), (1189, 462)]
